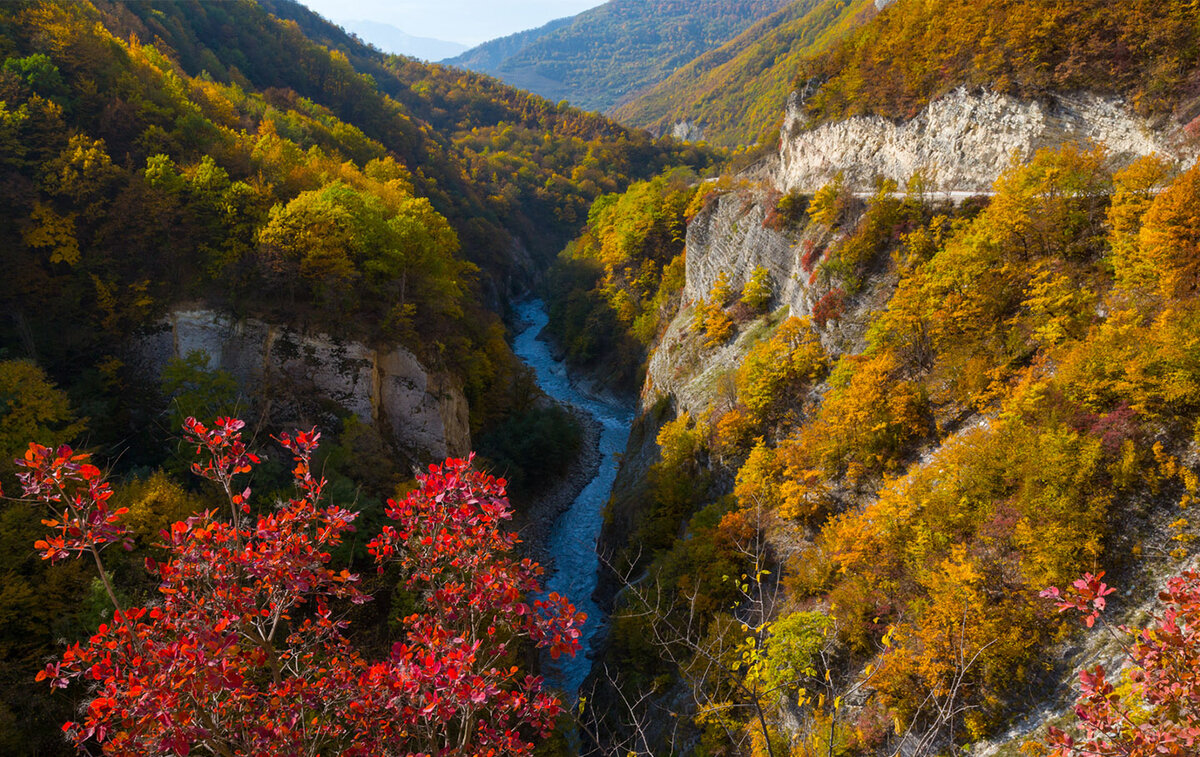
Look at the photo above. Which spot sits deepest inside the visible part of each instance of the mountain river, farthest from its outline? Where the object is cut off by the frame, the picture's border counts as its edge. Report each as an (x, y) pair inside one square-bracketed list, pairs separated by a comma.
[(573, 540)]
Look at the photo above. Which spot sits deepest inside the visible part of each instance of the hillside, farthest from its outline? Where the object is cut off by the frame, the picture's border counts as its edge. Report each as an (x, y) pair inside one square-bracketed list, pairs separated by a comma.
[(879, 420), (898, 419), (214, 208), (606, 55), (735, 94), (490, 56), (448, 126), (1143, 50)]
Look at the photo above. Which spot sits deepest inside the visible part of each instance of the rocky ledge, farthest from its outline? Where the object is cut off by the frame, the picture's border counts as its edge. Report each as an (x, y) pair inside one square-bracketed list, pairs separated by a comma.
[(964, 140), (275, 366)]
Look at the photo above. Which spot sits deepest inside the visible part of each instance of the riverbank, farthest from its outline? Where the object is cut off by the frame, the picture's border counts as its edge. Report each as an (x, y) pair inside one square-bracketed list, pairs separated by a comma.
[(571, 544), (536, 523)]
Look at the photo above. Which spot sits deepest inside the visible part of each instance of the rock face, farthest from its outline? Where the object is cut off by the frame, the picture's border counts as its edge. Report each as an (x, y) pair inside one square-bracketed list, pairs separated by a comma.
[(728, 236), (425, 413), (693, 377), (687, 131), (962, 141)]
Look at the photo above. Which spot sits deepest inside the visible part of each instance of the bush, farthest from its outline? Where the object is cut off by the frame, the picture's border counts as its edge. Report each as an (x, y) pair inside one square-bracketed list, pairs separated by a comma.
[(243, 654), (788, 212), (756, 293)]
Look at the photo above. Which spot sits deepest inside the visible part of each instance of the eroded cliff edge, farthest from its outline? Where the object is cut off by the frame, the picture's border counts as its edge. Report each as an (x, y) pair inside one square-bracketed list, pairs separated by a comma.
[(424, 411), (961, 142)]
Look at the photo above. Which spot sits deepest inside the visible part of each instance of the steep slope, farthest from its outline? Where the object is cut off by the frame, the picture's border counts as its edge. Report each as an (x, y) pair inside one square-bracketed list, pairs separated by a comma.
[(954, 90), (438, 120), (1142, 50), (953, 403), (490, 56), (607, 54), (732, 95)]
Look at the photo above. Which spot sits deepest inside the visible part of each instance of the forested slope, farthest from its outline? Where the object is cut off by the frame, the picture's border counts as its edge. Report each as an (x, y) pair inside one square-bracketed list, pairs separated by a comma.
[(862, 461), (736, 93), (969, 404), (608, 54), (155, 155), (480, 143), (1144, 50), (489, 56)]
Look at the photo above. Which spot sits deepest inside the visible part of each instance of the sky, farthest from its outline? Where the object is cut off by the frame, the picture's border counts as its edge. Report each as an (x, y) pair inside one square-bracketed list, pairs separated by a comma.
[(467, 21)]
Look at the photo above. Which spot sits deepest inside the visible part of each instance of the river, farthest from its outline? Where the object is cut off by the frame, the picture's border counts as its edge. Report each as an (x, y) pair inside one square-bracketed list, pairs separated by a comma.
[(573, 540)]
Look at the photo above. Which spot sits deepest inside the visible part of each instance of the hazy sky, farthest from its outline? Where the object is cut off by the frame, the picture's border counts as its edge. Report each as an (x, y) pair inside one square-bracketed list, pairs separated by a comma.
[(467, 21)]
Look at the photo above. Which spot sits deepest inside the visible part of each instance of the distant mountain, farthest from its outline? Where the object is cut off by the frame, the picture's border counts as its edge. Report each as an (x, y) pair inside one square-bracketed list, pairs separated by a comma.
[(392, 40), (736, 93), (606, 55), (489, 56)]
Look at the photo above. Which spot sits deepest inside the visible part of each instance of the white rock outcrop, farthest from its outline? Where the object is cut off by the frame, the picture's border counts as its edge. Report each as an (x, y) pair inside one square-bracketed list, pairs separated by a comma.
[(728, 237), (425, 412), (963, 141), (687, 131)]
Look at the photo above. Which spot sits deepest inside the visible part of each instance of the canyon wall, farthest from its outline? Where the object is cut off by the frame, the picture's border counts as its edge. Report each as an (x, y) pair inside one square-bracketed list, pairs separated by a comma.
[(425, 412), (964, 140)]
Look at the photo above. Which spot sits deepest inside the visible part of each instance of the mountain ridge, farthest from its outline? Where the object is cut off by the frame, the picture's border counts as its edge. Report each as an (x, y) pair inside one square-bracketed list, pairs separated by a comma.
[(607, 54), (490, 55), (733, 95), (392, 39)]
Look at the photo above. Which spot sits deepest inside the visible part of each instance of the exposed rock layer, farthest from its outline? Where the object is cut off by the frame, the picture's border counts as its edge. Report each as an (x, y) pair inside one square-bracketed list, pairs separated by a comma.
[(425, 412), (963, 141), (728, 236)]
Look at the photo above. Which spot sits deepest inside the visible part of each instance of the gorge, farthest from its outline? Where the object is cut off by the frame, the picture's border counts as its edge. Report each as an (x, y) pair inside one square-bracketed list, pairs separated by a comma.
[(572, 543)]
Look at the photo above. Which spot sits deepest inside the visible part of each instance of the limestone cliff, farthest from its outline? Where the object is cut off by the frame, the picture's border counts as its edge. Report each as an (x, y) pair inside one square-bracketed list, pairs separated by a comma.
[(425, 412), (730, 236), (964, 140), (961, 142), (687, 131)]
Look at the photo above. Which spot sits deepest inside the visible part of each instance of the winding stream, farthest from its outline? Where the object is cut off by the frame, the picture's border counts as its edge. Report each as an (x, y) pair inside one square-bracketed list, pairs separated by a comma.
[(573, 540)]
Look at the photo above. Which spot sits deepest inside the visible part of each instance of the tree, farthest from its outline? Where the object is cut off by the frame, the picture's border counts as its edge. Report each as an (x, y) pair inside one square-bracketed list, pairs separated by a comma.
[(337, 237), (756, 293), (776, 373), (196, 389), (30, 405), (248, 652), (1170, 238), (1161, 713)]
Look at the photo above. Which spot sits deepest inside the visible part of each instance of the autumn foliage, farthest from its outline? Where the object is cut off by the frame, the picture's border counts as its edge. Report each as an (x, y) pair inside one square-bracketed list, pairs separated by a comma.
[(247, 650), (1144, 50), (1024, 408), (1161, 713)]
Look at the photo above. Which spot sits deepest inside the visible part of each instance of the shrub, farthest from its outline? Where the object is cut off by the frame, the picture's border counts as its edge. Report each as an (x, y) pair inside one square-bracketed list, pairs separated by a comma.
[(786, 212), (830, 307), (244, 652)]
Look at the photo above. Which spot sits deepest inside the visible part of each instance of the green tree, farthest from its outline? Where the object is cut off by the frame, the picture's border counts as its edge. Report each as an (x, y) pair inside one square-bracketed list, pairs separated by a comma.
[(756, 293), (31, 407), (334, 238), (197, 391)]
